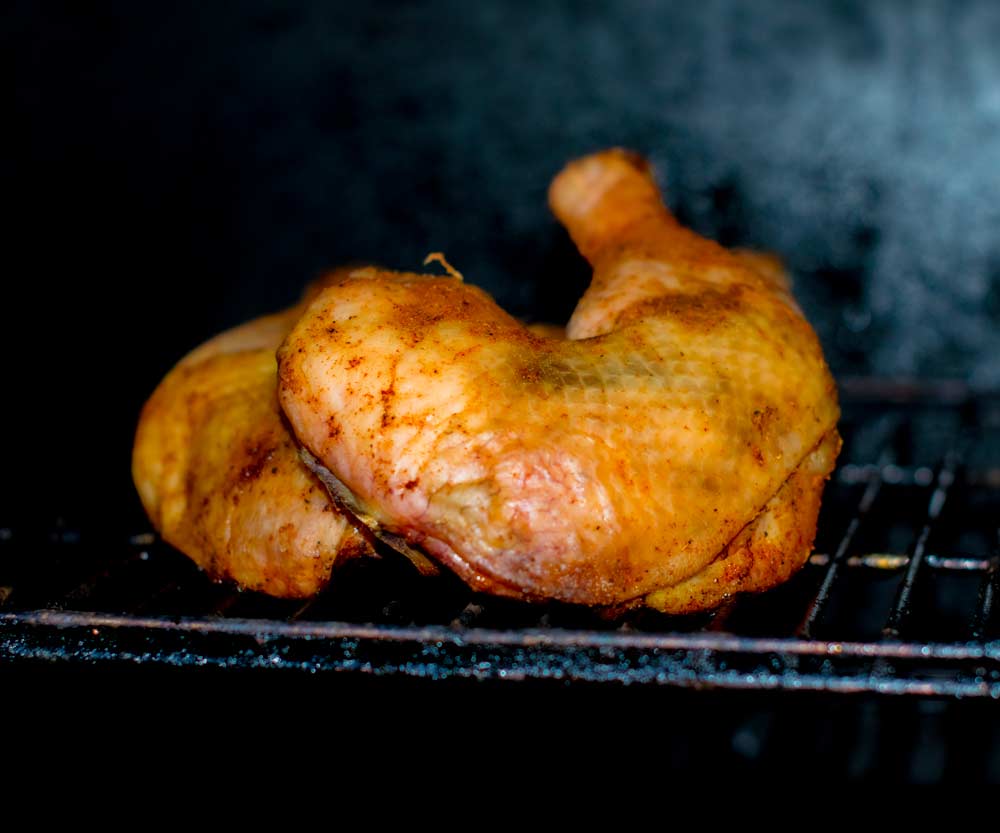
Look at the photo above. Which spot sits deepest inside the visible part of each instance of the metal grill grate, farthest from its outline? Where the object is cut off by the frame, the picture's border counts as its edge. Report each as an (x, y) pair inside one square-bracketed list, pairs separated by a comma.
[(899, 599)]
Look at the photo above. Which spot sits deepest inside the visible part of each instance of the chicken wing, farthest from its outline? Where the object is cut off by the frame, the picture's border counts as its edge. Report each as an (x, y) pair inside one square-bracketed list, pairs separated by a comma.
[(672, 453)]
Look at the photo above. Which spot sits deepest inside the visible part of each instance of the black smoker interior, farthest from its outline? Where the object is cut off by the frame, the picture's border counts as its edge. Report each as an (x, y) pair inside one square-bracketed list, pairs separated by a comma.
[(175, 169)]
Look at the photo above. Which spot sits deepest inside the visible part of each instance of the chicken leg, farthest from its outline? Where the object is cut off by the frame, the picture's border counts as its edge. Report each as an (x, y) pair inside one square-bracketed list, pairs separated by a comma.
[(219, 474), (653, 459)]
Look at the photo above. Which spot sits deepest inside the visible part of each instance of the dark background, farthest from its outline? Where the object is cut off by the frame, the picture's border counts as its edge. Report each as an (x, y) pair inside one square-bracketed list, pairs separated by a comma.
[(174, 169)]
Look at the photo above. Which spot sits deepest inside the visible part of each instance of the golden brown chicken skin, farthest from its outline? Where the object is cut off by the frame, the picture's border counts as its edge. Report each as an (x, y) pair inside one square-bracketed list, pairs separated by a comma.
[(672, 453), (220, 476)]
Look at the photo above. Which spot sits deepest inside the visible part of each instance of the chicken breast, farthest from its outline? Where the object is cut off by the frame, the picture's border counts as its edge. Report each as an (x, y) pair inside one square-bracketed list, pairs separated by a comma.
[(220, 476), (672, 453)]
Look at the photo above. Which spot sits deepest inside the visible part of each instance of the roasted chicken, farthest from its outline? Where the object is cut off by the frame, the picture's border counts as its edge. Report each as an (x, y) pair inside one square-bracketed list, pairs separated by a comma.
[(672, 452), (220, 475)]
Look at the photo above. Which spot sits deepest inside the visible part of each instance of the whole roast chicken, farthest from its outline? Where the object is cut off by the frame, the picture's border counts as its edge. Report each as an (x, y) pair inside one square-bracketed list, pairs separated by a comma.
[(670, 452)]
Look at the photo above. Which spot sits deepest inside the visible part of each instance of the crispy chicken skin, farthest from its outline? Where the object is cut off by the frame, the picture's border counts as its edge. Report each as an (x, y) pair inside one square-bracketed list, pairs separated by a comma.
[(220, 476), (671, 453)]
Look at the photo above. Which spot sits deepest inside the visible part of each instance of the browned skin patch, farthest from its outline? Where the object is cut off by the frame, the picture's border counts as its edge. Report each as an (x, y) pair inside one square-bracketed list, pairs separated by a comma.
[(703, 311), (764, 417), (259, 457)]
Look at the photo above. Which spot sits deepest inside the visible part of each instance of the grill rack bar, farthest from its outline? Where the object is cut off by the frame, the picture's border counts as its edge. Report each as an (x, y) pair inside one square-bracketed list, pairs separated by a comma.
[(988, 593), (699, 660), (902, 606), (819, 602)]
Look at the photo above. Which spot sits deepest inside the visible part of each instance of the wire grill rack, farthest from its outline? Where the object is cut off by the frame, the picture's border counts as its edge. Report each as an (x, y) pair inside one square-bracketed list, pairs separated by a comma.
[(900, 597)]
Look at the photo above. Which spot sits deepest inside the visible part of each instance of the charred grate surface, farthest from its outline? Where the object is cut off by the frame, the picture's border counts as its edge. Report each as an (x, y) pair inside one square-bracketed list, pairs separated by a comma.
[(900, 597)]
